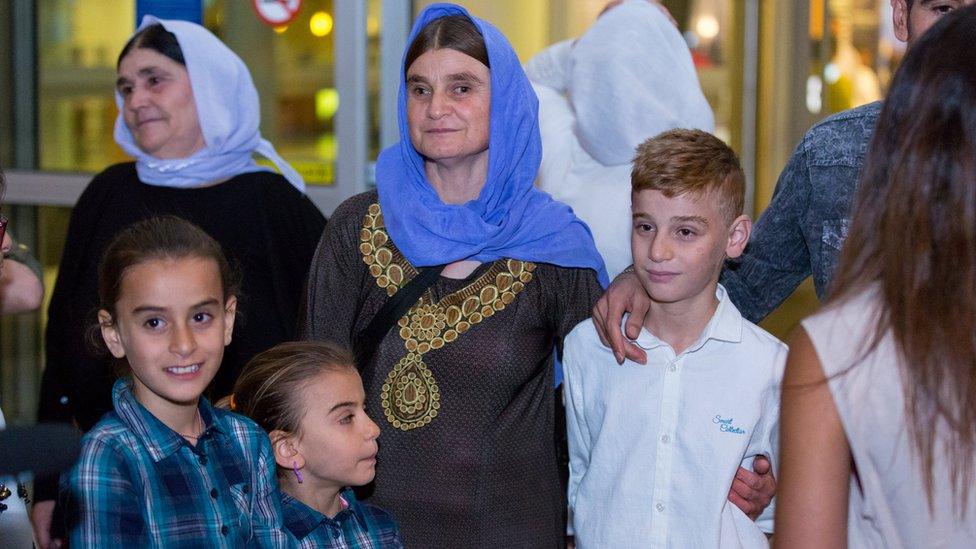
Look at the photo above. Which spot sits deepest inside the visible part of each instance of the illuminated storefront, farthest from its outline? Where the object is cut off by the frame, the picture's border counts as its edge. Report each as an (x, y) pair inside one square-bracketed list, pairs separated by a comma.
[(327, 80)]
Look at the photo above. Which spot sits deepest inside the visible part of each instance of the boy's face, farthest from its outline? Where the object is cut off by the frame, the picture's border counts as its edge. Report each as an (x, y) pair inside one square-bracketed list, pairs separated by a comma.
[(679, 244)]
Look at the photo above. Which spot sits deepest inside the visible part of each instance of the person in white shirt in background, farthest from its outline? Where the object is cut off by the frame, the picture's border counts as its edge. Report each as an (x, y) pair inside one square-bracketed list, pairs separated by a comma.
[(654, 449), (629, 77)]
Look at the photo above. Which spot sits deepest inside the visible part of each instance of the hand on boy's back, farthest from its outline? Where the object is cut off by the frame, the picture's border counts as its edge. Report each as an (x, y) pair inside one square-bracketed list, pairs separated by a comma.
[(752, 491), (625, 295)]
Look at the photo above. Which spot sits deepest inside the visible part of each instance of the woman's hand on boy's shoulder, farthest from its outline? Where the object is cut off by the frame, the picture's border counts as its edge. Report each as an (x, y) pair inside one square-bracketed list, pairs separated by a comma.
[(625, 295)]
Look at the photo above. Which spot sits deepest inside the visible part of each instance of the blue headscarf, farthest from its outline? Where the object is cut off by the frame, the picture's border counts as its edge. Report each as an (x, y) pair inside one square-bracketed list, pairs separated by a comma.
[(510, 218)]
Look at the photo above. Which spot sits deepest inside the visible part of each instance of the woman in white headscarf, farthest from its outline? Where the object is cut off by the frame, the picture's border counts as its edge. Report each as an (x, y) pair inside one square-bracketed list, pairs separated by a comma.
[(189, 116), (629, 77)]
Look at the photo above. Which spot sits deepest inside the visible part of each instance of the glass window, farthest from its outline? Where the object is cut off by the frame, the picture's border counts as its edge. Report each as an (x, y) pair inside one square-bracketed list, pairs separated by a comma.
[(78, 42), (292, 67), (855, 54)]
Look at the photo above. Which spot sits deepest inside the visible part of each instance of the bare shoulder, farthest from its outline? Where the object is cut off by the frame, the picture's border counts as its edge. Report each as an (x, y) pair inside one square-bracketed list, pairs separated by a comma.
[(803, 364)]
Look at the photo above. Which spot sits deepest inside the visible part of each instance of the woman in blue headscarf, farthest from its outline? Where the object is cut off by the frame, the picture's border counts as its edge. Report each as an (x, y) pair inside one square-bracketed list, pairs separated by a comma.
[(453, 281), (189, 117)]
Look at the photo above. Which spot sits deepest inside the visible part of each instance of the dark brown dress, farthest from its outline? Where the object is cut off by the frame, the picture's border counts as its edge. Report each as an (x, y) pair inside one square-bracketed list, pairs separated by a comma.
[(462, 387)]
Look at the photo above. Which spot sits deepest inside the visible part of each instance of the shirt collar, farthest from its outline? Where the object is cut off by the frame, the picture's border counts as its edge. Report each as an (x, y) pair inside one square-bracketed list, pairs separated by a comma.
[(726, 322), (160, 441), (301, 520), (725, 325)]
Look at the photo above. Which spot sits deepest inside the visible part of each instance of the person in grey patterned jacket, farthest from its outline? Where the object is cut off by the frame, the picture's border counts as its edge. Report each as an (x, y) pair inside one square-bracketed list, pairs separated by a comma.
[(802, 230)]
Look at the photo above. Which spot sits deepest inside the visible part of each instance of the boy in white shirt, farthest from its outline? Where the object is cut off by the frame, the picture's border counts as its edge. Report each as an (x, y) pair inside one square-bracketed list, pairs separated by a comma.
[(654, 449)]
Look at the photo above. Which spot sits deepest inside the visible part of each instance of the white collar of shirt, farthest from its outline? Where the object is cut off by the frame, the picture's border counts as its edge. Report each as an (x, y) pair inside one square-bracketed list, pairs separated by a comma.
[(725, 325)]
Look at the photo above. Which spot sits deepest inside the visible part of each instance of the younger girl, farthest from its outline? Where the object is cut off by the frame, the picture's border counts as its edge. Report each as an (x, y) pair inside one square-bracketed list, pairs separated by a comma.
[(308, 396), (165, 468)]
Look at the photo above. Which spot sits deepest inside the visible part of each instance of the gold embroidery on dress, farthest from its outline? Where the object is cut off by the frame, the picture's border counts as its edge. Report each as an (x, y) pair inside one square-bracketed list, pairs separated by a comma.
[(410, 395)]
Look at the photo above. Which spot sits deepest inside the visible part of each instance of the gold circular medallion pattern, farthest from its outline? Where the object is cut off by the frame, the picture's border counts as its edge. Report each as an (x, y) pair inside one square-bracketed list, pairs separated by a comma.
[(410, 396)]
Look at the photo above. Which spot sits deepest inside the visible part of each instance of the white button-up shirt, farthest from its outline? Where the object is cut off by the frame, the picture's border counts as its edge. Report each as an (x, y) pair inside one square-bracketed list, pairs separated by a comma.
[(654, 449)]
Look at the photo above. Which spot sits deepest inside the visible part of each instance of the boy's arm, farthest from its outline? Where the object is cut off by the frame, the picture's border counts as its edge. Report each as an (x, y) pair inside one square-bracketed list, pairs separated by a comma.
[(102, 506), (769, 443), (754, 484)]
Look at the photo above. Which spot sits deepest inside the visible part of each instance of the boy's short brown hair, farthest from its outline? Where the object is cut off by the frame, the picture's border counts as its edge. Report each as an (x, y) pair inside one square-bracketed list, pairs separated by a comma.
[(694, 162)]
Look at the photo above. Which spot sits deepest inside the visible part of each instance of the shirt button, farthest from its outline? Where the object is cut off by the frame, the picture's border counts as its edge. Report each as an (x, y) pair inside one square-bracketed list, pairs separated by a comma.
[(659, 507), (672, 368), (224, 530), (246, 489), (203, 460), (63, 400), (213, 493), (665, 439)]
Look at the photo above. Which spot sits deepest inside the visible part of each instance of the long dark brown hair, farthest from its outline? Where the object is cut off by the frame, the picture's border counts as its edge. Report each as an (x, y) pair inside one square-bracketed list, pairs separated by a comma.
[(913, 237)]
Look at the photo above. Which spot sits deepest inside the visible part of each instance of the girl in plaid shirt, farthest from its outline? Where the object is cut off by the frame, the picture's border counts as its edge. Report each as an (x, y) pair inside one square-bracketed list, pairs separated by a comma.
[(309, 397), (165, 468)]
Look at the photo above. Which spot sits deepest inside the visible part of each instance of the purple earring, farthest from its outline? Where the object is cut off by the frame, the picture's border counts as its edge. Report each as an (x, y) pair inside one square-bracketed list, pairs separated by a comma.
[(298, 474)]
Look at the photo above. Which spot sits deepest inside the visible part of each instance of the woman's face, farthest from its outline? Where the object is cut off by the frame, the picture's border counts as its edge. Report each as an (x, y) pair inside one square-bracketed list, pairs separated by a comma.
[(448, 107), (158, 105)]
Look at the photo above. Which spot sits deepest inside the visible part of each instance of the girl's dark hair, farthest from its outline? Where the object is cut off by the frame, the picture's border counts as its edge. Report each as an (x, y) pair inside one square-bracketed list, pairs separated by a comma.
[(913, 237), (454, 32), (156, 38), (164, 237), (271, 387)]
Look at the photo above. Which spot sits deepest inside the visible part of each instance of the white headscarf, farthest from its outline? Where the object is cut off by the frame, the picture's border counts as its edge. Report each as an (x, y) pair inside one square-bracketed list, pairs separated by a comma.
[(229, 113), (632, 78)]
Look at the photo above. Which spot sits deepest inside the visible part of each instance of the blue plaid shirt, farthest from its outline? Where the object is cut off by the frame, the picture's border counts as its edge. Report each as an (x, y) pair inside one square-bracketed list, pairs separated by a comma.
[(140, 484), (358, 526)]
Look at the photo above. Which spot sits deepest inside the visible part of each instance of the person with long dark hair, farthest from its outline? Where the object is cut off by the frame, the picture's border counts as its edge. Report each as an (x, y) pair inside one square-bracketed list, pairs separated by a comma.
[(879, 401)]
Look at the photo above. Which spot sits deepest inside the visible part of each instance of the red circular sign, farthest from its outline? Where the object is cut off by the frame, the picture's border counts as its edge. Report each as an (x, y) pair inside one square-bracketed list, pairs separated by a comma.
[(277, 12)]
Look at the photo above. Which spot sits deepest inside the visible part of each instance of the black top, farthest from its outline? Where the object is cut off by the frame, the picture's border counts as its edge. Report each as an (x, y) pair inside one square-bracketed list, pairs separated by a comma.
[(265, 226), (461, 388)]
